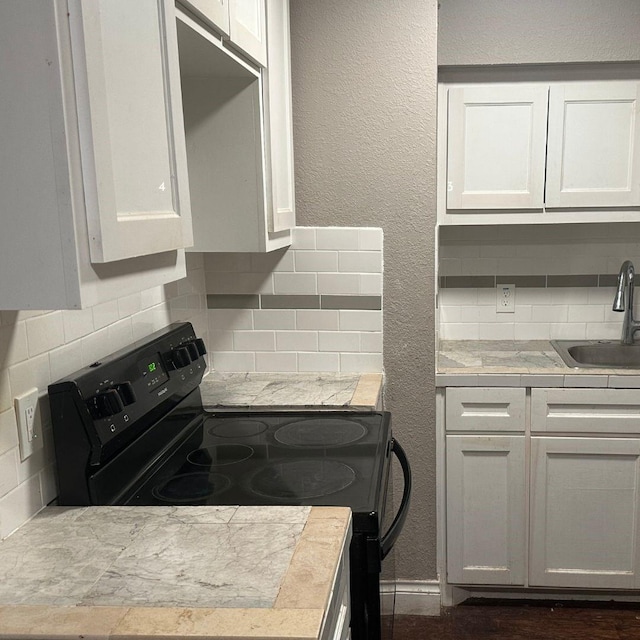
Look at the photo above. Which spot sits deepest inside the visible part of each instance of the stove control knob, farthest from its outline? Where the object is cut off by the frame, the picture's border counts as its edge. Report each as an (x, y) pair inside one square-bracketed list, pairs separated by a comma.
[(179, 357), (104, 404), (193, 351), (126, 392), (199, 344)]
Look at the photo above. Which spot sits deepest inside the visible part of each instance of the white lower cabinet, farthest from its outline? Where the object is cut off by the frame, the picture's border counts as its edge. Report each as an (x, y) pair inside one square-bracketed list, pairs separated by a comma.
[(486, 516), (584, 512), (552, 501)]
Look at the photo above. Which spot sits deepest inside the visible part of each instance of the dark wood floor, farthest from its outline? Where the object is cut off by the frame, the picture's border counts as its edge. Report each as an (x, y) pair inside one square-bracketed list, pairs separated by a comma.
[(525, 621)]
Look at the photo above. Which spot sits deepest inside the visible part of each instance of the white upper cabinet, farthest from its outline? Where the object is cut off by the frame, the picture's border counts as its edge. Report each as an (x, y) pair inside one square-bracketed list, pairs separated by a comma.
[(539, 152), (496, 147), (278, 110), (239, 140), (247, 26), (594, 145), (93, 175), (241, 23), (125, 65)]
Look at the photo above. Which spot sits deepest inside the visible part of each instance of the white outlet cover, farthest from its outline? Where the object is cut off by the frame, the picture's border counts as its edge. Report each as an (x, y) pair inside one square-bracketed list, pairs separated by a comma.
[(505, 298), (29, 423)]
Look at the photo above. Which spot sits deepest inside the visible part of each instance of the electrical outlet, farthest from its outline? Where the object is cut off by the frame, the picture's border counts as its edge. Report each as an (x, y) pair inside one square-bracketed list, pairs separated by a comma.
[(506, 298), (29, 423)]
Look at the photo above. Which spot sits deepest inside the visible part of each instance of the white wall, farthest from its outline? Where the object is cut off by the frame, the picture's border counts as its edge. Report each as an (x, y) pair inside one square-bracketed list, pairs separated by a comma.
[(489, 32), (40, 347)]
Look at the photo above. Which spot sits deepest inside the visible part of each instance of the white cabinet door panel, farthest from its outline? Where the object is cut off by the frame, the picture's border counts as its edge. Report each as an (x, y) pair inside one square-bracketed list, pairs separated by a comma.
[(278, 110), (247, 27), (214, 11), (594, 145), (133, 153), (584, 513), (486, 516), (496, 147)]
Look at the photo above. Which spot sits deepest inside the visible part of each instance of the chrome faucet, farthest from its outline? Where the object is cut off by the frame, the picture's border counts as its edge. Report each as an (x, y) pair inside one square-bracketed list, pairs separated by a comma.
[(624, 302)]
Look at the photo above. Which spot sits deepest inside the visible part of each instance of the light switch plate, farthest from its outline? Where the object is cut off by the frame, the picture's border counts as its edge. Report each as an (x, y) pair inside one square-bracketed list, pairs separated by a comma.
[(29, 423)]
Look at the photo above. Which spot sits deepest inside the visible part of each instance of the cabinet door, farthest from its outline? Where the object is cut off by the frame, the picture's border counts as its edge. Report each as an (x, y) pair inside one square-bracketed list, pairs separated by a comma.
[(247, 28), (214, 11), (594, 145), (278, 114), (584, 513), (125, 64), (496, 147), (486, 516)]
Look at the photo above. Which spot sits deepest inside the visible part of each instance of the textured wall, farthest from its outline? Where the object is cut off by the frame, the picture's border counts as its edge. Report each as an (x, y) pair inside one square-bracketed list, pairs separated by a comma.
[(364, 101), (523, 32)]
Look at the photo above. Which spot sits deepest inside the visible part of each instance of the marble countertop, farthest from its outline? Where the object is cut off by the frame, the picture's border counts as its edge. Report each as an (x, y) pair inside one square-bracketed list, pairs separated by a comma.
[(533, 363), (292, 391), (201, 572)]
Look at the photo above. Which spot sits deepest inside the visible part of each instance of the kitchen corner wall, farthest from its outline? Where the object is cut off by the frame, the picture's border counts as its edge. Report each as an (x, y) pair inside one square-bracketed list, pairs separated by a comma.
[(565, 277), (316, 306), (40, 347)]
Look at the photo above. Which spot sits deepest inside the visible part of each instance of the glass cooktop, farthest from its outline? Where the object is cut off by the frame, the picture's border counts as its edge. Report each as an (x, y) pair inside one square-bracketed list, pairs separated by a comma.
[(260, 459)]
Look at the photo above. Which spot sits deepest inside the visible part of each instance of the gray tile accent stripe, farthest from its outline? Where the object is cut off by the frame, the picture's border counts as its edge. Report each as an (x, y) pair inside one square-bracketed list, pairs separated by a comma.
[(568, 280), (290, 302), (572, 281), (249, 301), (372, 303), (229, 301)]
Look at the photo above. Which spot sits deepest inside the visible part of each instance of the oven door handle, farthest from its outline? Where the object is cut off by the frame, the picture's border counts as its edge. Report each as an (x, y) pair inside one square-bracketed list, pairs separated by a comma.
[(389, 538)]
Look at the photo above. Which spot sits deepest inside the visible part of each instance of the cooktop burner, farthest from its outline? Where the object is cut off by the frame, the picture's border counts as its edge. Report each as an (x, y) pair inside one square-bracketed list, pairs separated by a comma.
[(302, 479), (320, 432), (234, 428), (220, 455), (188, 488)]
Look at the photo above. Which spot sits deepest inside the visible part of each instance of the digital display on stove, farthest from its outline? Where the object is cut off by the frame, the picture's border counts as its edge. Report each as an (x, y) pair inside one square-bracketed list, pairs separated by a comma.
[(152, 372)]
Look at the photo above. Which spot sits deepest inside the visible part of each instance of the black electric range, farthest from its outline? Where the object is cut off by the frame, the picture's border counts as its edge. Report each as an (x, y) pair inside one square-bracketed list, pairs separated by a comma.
[(131, 430)]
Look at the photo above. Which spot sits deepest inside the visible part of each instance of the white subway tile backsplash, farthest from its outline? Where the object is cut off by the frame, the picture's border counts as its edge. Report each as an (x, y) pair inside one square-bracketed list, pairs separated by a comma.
[(339, 283), (297, 340), (531, 331), (214, 262), (152, 297), (274, 319), (360, 320), (254, 340), (13, 344), (8, 471), (371, 342), (371, 284), (361, 362), (65, 360), (19, 505), (570, 295), (281, 260), (543, 313), (48, 484), (496, 331), (6, 397), (360, 261), (303, 238), (317, 319), (370, 239), (120, 334), (337, 238), (295, 283), (231, 319), (339, 341), (220, 341), (314, 261), (239, 282), (129, 305), (77, 323), (8, 431), (318, 362), (459, 331), (568, 331), (585, 313), (105, 314), (34, 372), (603, 331), (232, 361), (276, 361)]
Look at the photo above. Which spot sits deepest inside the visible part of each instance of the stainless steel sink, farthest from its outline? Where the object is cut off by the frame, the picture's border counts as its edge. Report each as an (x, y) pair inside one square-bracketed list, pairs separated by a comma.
[(598, 353)]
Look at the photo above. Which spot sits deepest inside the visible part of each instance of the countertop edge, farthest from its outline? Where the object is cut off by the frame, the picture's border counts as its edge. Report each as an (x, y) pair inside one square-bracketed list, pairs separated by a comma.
[(297, 612)]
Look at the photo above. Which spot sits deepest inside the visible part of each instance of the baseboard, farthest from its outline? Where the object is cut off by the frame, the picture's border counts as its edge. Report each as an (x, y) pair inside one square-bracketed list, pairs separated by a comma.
[(412, 597)]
